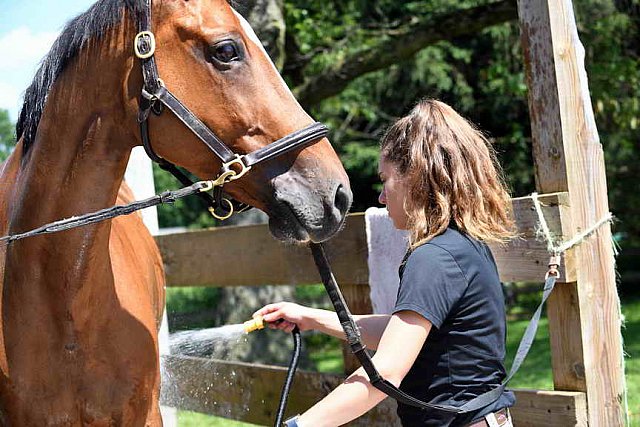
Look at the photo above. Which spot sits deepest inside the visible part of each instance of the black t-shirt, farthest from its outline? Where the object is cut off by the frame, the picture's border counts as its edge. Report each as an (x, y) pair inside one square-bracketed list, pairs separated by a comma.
[(453, 282)]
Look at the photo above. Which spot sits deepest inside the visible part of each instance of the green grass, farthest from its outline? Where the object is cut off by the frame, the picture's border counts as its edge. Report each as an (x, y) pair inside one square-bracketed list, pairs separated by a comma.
[(535, 371), (631, 335), (194, 419)]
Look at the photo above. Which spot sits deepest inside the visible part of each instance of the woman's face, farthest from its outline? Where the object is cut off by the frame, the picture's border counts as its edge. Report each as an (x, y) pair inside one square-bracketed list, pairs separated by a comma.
[(393, 193)]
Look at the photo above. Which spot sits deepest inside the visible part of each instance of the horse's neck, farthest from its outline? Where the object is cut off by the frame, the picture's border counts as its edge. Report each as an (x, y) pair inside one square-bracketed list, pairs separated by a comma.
[(75, 166)]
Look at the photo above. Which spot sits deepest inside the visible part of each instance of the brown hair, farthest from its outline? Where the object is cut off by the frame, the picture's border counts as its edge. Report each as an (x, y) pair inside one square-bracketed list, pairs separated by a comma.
[(451, 173)]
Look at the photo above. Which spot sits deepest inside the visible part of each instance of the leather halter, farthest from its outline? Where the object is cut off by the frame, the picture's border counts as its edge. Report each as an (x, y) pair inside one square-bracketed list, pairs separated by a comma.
[(155, 96)]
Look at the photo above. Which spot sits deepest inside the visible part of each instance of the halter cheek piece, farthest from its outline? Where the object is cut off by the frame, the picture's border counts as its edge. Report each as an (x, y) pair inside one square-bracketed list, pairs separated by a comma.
[(155, 97)]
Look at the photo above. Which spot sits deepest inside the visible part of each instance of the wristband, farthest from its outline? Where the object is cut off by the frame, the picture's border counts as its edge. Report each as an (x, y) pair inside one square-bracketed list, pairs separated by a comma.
[(292, 422)]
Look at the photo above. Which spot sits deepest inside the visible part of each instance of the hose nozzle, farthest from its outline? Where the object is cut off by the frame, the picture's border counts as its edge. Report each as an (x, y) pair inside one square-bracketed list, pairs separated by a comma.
[(254, 324)]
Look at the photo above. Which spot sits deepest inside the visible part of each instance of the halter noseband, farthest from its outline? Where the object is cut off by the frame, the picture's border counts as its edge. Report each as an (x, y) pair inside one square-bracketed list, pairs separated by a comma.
[(155, 96)]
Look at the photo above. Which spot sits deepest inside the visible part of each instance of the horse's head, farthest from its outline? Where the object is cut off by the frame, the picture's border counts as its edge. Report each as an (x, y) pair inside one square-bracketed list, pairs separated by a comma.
[(210, 58)]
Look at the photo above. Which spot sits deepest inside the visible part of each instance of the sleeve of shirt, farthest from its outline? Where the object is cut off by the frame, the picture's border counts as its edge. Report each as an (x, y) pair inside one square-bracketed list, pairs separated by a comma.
[(431, 284)]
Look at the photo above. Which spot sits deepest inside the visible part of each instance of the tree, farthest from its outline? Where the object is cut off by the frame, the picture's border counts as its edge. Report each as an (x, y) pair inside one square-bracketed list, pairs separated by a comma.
[(7, 135)]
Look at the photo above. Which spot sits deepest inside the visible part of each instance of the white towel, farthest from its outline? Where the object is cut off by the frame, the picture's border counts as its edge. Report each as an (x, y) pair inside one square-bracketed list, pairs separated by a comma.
[(387, 246)]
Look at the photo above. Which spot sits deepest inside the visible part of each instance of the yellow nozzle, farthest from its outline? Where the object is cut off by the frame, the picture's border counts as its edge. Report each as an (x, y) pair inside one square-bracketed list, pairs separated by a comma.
[(254, 324)]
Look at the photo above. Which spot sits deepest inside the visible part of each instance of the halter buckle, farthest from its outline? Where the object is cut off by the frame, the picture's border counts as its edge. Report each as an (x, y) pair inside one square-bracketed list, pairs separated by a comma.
[(144, 44), (237, 174)]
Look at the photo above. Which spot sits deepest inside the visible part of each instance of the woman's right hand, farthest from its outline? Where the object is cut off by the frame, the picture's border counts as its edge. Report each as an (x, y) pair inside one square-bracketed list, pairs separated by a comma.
[(288, 315)]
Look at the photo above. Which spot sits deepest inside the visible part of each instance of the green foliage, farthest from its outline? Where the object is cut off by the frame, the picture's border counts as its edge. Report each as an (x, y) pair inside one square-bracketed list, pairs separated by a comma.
[(191, 299), (7, 135), (610, 36)]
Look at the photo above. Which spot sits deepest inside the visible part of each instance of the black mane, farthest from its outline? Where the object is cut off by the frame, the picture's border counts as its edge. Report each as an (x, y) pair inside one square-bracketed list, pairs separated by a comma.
[(94, 23)]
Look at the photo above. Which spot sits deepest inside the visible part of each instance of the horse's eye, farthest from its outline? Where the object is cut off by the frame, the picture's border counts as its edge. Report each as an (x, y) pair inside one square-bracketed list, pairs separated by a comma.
[(225, 52)]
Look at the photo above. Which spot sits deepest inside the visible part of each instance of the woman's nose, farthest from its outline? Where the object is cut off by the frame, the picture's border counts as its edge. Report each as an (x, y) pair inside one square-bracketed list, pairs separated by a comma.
[(382, 199)]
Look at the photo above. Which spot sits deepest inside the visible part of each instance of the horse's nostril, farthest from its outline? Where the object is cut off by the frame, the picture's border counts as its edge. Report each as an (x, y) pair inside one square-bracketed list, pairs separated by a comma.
[(342, 200)]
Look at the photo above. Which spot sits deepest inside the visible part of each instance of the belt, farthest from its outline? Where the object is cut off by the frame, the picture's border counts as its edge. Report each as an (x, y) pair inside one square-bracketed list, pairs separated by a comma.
[(502, 416)]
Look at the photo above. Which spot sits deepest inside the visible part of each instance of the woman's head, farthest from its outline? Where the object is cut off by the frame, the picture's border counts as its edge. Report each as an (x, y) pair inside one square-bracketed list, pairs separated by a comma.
[(440, 168)]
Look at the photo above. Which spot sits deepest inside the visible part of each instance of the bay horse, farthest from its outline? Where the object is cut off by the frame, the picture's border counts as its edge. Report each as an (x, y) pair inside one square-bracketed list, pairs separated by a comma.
[(81, 308)]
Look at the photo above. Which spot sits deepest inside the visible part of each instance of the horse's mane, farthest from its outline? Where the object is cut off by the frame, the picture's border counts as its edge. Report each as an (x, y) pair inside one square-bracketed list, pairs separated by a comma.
[(94, 23)]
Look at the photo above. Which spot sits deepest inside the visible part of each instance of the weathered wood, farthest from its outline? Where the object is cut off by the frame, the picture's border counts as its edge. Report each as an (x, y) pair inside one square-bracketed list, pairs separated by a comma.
[(544, 108), (566, 343), (248, 255), (250, 393), (526, 259), (559, 101), (535, 408)]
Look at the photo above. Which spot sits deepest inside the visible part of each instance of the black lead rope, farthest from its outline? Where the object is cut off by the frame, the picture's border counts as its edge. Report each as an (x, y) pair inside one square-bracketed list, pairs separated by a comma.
[(112, 212), (355, 342), (293, 365)]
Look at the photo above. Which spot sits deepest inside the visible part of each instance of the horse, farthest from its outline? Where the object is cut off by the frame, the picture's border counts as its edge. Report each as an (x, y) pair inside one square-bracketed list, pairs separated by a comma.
[(81, 308)]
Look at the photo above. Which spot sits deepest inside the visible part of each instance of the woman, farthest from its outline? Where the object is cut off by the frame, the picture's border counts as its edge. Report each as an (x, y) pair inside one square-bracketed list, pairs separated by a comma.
[(445, 341)]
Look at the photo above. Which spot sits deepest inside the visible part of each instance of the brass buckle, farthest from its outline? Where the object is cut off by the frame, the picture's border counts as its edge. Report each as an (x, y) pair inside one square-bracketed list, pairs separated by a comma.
[(227, 167), (213, 213), (152, 44)]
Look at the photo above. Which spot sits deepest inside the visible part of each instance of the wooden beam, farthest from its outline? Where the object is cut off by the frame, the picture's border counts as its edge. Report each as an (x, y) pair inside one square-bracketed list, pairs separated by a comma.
[(248, 255), (251, 393), (584, 317), (535, 408)]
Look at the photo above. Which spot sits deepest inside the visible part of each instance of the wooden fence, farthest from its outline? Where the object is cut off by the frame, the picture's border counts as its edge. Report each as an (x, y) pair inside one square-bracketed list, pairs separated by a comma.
[(248, 255)]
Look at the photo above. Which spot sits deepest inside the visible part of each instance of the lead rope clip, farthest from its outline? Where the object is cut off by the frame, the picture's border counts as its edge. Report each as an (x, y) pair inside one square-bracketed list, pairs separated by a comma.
[(554, 264)]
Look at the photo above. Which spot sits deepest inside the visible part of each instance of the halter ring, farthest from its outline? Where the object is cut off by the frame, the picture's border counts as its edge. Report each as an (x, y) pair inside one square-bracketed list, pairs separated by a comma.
[(213, 213)]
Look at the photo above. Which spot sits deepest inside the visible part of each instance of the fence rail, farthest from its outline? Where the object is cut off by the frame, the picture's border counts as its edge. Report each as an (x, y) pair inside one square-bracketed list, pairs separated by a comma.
[(221, 256), (251, 392)]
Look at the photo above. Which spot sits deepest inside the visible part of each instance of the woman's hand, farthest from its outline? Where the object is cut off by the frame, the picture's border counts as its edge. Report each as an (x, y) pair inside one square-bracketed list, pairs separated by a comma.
[(287, 315)]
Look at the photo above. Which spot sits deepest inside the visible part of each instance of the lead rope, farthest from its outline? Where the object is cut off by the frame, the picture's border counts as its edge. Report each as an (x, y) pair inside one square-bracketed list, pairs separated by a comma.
[(114, 211), (293, 365)]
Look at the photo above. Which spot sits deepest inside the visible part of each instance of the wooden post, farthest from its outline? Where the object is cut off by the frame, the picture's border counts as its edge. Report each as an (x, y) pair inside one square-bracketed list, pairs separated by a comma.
[(584, 316)]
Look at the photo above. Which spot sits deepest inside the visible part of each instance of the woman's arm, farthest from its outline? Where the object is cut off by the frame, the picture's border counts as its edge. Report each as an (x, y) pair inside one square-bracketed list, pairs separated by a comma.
[(290, 315), (399, 347)]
